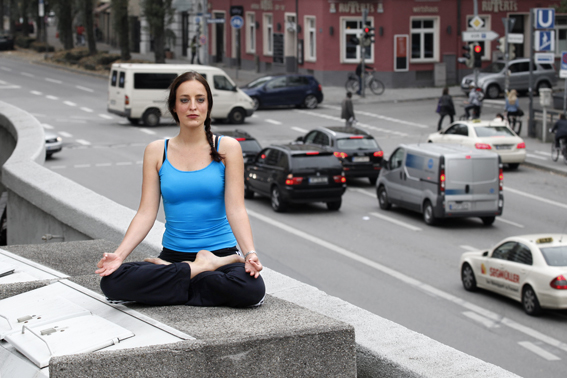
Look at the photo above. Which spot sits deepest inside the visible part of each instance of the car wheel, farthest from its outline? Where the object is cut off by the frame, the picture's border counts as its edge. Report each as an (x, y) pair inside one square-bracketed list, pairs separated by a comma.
[(134, 121), (373, 180), (256, 103), (493, 91), (513, 166), (543, 84), (530, 301), (467, 277), (48, 154), (428, 215), (383, 199), (151, 117), (278, 203), (310, 102), (236, 116), (488, 220), (248, 194), (334, 205)]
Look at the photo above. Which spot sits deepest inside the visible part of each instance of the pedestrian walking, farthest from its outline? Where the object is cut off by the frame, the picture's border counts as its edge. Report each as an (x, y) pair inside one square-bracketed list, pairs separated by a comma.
[(445, 107), (194, 45), (347, 110)]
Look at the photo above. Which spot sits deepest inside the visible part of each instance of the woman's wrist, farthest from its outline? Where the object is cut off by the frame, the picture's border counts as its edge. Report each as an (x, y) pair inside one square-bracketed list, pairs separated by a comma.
[(249, 253)]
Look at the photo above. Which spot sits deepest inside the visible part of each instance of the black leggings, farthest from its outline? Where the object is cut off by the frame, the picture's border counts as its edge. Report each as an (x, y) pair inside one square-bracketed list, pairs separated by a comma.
[(161, 285)]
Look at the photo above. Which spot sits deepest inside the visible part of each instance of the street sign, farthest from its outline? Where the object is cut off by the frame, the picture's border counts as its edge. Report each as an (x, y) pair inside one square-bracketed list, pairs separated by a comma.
[(544, 18), (544, 40), (236, 22), (206, 15), (563, 70), (215, 20), (542, 58), (197, 20), (515, 38), (476, 23), (479, 36)]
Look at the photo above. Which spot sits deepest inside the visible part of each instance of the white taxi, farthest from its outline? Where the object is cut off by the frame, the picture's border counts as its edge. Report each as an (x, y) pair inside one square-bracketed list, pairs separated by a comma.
[(531, 269), (495, 136)]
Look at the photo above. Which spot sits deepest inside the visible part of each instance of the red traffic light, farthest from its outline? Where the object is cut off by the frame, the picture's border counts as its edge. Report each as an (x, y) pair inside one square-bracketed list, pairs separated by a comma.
[(366, 30), (478, 49)]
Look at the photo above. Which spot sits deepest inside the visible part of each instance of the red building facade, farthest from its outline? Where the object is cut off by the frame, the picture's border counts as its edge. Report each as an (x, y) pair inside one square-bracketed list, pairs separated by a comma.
[(416, 42)]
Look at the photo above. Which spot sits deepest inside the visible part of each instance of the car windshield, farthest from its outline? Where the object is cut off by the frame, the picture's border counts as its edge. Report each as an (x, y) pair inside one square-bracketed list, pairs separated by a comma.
[(493, 131), (250, 145), (357, 144), (555, 256), (258, 82), (315, 161), (494, 68)]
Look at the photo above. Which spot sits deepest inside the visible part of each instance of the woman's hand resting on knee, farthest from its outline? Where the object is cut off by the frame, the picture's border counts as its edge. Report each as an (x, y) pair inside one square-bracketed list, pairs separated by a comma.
[(108, 264), (253, 265)]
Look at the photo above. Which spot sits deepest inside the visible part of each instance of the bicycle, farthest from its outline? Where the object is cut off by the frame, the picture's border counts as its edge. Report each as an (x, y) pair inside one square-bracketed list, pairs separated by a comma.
[(376, 86), (555, 151), (515, 122), (475, 113)]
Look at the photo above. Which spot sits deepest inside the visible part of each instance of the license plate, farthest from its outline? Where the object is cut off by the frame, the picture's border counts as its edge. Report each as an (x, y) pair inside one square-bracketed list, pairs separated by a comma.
[(360, 159), (318, 180), (459, 206)]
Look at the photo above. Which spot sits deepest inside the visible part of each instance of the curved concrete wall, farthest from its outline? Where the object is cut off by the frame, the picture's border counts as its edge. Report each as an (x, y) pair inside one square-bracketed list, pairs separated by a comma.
[(41, 199)]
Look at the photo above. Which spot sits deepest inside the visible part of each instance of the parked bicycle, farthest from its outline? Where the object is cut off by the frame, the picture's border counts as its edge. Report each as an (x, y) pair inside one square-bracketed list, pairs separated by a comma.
[(561, 149), (375, 85)]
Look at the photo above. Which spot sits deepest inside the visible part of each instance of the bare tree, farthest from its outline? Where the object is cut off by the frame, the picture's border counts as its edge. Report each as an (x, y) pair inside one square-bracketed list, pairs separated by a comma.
[(121, 25), (64, 11), (89, 26), (158, 13)]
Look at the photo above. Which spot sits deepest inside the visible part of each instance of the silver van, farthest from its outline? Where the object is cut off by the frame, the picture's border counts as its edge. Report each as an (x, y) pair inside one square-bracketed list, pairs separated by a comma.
[(442, 181)]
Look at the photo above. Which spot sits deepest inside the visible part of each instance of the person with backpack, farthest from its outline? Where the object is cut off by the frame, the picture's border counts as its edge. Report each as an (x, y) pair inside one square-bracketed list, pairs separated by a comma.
[(445, 107)]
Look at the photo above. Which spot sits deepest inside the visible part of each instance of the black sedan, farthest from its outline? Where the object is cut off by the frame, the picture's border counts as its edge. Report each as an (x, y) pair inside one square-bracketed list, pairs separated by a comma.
[(6, 42), (296, 173)]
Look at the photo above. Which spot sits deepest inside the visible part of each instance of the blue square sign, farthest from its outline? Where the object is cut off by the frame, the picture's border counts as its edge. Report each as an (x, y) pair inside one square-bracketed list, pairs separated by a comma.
[(544, 18)]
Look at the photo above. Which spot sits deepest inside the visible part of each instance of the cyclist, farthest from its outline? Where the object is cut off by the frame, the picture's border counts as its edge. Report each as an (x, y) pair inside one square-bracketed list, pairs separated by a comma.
[(358, 73), (474, 102), (560, 130)]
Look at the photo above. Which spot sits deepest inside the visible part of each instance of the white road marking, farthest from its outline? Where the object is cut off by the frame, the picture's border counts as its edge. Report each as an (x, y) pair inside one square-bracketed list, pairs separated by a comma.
[(412, 281), (37, 93), (69, 103), (395, 221), (273, 122), (50, 97), (84, 88), (58, 167), (65, 134), (468, 248), (481, 319), (149, 132), (536, 157), (362, 191), (546, 153), (88, 110), (124, 163), (539, 351), (105, 116), (83, 142), (103, 164), (368, 114), (10, 87), (550, 202), (6, 69), (46, 126), (3, 82), (299, 129), (497, 102), (82, 165), (509, 222), (140, 162), (27, 74), (53, 80)]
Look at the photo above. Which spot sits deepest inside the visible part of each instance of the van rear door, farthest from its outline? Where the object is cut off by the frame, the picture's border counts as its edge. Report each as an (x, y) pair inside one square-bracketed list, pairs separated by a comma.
[(485, 184), (116, 91)]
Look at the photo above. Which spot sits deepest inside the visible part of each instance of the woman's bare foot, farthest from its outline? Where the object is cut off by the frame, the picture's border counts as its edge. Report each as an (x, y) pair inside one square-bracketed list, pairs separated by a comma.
[(157, 261), (206, 261)]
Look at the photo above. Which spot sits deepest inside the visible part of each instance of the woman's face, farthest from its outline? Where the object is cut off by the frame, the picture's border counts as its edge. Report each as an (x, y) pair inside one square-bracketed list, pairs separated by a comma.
[(191, 103)]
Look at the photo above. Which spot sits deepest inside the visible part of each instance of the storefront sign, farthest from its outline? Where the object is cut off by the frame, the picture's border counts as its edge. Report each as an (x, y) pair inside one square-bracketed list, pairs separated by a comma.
[(267, 5), (499, 6), (401, 52), (353, 7), (425, 9)]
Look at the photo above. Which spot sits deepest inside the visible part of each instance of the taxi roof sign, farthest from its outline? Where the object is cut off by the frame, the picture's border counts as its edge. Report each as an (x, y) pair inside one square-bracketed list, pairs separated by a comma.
[(544, 240)]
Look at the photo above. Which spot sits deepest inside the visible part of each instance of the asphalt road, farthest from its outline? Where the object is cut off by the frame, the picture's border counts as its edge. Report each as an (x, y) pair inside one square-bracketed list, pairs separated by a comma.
[(387, 262)]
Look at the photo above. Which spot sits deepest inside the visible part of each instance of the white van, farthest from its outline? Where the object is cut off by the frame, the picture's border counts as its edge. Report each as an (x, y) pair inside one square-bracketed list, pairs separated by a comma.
[(140, 91), (442, 181)]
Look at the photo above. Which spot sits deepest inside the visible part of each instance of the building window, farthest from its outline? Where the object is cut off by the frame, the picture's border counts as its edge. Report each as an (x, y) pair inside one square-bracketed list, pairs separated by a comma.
[(310, 39), (268, 36), (424, 39), (487, 26), (352, 52), (561, 34), (250, 33)]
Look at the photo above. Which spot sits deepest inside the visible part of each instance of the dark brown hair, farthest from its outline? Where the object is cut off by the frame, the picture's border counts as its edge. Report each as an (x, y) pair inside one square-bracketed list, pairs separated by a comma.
[(171, 100)]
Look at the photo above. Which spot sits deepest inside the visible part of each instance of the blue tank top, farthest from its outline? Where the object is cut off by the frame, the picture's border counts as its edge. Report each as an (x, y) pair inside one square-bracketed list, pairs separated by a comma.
[(193, 203)]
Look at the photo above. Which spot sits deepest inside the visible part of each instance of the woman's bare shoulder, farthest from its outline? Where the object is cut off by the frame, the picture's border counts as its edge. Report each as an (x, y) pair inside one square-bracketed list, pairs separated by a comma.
[(155, 148)]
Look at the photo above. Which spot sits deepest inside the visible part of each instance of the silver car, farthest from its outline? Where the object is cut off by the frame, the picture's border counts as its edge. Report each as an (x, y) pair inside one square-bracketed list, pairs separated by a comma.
[(491, 79), (53, 143)]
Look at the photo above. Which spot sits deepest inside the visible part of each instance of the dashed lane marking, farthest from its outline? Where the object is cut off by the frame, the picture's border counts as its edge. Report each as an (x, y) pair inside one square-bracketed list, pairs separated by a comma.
[(546, 153), (53, 80), (88, 110), (536, 157), (27, 74), (98, 165), (37, 93), (273, 121), (105, 116), (6, 69), (65, 134), (46, 126), (149, 132), (422, 126), (10, 87), (509, 222), (50, 97), (84, 89), (124, 163), (83, 142), (539, 351), (299, 129), (395, 221), (69, 103), (481, 319), (545, 200), (81, 165)]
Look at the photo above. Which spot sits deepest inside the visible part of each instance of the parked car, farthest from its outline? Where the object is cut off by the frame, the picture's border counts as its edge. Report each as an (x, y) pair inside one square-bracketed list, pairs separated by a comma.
[(485, 135), (357, 150), (492, 78), (250, 146), (296, 173), (53, 143), (285, 90), (6, 42), (530, 269)]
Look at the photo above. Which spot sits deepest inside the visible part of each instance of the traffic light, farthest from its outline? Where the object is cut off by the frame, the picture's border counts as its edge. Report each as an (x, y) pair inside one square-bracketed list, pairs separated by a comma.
[(354, 40), (467, 58), (477, 55), (511, 51), (502, 45), (368, 35)]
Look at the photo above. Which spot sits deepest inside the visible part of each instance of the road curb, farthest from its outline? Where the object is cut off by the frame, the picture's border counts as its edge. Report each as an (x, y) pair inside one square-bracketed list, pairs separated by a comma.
[(545, 168)]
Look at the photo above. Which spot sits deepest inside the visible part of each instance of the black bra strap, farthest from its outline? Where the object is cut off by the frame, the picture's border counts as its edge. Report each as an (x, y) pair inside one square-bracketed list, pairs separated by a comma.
[(216, 142), (164, 149)]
